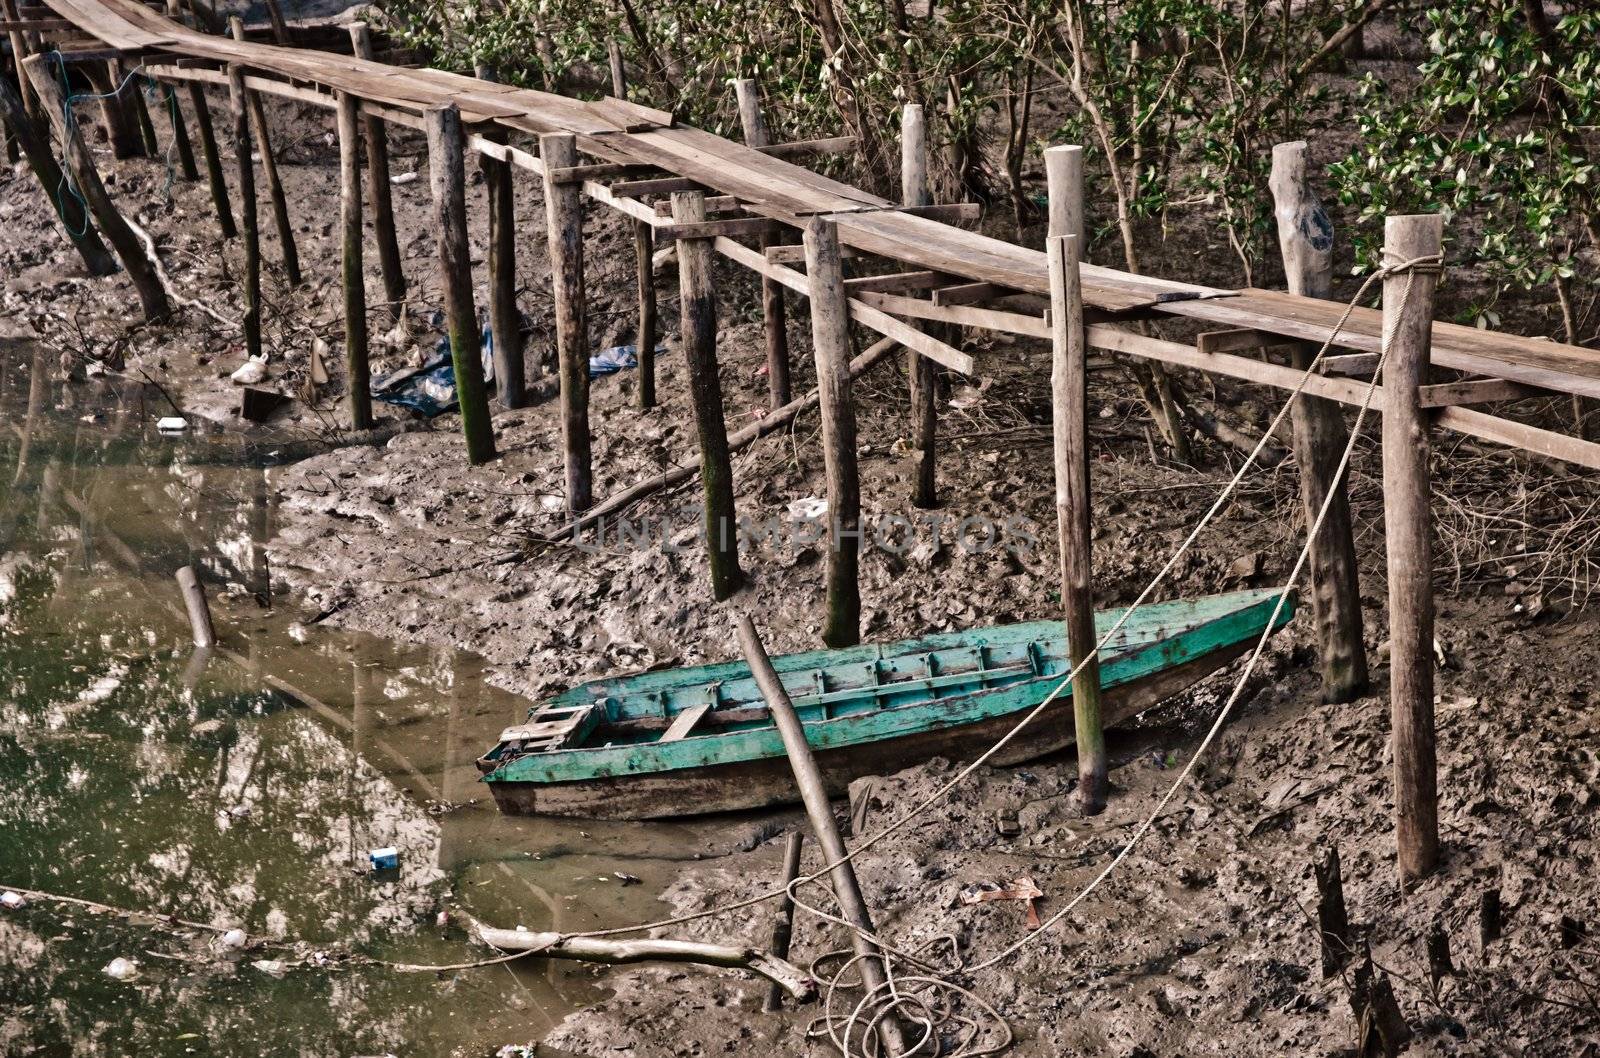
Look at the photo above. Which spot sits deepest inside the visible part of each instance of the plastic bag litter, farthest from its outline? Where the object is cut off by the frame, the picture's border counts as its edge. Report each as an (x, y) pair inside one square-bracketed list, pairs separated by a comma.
[(617, 358), (120, 969), (235, 938), (430, 389), (254, 370), (272, 967), (13, 901)]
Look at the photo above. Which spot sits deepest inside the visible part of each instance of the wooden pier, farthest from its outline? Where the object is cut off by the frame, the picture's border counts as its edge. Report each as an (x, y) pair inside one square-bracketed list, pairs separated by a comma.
[(754, 203)]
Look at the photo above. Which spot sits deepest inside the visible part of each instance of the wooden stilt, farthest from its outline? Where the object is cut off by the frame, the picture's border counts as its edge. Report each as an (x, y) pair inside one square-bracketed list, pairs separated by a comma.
[(121, 130), (813, 792), (358, 371), (74, 217), (830, 342), (922, 372), (564, 214), (270, 175), (152, 296), (187, 170), (1305, 237), (644, 252), (213, 157), (134, 93), (280, 28), (698, 334), (505, 321), (1333, 922), (773, 314), (20, 50), (783, 920), (446, 144), (251, 320), (380, 192), (1069, 379), (1408, 530)]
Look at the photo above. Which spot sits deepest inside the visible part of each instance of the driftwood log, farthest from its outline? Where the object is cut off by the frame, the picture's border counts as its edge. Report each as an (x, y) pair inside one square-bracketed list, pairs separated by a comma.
[(780, 972)]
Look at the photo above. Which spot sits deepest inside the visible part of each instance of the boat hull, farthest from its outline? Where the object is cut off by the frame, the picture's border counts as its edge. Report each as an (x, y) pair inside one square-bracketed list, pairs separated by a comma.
[(743, 785)]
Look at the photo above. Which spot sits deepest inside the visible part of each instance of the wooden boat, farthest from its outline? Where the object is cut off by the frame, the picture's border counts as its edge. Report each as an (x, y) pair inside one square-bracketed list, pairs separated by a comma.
[(694, 740)]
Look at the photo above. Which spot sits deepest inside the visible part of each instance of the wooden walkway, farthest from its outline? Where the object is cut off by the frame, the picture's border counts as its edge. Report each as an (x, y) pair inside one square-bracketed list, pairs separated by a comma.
[(768, 186)]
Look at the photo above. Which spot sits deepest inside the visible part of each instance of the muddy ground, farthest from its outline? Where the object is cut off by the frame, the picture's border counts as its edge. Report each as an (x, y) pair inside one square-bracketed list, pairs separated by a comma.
[(1200, 944)]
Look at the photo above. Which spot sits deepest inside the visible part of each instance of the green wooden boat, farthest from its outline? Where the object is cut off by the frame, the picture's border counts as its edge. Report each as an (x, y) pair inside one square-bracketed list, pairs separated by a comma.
[(694, 740)]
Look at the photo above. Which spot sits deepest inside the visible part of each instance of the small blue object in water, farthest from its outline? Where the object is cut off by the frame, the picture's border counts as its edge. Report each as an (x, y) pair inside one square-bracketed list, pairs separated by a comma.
[(385, 859)]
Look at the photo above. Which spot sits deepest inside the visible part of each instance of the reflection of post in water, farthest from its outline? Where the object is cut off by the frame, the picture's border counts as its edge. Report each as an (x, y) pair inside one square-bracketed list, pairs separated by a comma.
[(38, 388), (260, 533), (360, 735), (49, 495), (451, 850)]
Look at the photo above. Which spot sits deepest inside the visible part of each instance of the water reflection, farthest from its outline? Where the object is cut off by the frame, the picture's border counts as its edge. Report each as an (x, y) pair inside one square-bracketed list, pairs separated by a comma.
[(244, 786)]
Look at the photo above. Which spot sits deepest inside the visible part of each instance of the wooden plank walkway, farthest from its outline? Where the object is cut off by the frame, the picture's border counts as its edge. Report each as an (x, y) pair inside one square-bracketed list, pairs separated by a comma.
[(619, 131)]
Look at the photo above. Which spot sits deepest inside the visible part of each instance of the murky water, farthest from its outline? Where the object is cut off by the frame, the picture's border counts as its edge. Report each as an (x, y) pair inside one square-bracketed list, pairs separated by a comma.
[(246, 788)]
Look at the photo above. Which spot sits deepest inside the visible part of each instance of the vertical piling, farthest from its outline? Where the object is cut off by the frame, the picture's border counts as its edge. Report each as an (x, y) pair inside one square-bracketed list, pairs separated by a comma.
[(830, 341), (169, 101), (29, 134), (922, 372), (773, 315), (140, 112), (446, 145), (1069, 379), (380, 192), (251, 321), (19, 51), (644, 252), (152, 295), (1305, 237), (698, 333), (358, 371), (1408, 530), (505, 321), (213, 157), (270, 174), (814, 793), (115, 114), (563, 204), (783, 918)]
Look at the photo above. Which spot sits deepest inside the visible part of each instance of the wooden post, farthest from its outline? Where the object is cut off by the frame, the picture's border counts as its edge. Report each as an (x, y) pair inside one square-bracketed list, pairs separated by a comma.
[(446, 167), (505, 322), (141, 113), (280, 28), (380, 192), (830, 343), (773, 314), (269, 172), (19, 51), (1305, 237), (1063, 170), (698, 334), (194, 600), (97, 260), (180, 131), (619, 77), (213, 157), (152, 295), (1408, 531), (1333, 922), (114, 111), (644, 251), (563, 205), (922, 372), (358, 371), (783, 919), (814, 793), (1069, 382), (251, 320)]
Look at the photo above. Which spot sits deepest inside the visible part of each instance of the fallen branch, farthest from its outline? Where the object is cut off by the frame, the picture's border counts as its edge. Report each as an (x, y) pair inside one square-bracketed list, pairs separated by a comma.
[(166, 280), (775, 420), (780, 972)]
